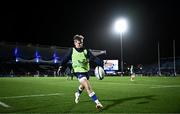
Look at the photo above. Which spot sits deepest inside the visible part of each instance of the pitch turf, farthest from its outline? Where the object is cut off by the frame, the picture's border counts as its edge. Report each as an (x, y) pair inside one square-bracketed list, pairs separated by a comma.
[(117, 94)]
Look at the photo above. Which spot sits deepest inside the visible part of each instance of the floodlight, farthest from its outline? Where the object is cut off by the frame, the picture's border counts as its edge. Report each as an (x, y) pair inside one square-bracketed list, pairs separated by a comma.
[(120, 25)]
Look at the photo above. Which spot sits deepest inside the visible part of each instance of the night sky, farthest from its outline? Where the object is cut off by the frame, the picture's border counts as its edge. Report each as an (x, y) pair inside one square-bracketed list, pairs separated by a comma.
[(56, 22)]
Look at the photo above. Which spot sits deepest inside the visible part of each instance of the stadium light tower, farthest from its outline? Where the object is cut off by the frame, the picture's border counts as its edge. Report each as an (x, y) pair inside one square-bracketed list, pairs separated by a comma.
[(120, 28)]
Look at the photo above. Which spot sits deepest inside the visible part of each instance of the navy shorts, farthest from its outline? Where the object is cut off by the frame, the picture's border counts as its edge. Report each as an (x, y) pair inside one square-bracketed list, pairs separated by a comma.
[(79, 75)]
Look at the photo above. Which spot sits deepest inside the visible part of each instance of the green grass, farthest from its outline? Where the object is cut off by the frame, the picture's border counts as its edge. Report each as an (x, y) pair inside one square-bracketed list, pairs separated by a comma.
[(117, 94)]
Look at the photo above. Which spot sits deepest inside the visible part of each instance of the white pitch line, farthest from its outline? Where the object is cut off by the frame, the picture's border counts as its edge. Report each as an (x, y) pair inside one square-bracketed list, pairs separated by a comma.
[(26, 96), (139, 84), (150, 86), (168, 86), (4, 105)]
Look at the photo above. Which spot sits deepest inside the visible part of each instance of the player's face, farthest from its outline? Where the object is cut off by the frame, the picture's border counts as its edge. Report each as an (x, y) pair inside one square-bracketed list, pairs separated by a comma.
[(78, 44)]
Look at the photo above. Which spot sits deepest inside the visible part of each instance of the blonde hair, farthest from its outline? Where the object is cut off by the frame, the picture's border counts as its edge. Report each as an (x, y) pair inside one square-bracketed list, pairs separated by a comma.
[(78, 37)]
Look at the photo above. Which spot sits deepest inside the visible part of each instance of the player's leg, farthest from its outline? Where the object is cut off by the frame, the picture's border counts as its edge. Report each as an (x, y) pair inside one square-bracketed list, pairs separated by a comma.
[(91, 93), (132, 77), (78, 93), (71, 77), (80, 88), (67, 77)]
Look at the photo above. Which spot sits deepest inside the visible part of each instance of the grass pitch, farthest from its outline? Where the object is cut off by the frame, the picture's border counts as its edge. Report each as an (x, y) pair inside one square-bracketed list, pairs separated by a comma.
[(117, 94)]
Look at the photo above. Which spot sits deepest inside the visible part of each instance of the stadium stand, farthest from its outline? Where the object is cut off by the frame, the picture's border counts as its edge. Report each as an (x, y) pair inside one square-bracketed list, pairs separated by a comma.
[(166, 67), (32, 60), (43, 60)]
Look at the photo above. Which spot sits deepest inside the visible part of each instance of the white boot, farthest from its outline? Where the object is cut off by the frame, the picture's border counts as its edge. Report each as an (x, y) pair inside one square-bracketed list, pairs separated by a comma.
[(99, 106), (76, 97)]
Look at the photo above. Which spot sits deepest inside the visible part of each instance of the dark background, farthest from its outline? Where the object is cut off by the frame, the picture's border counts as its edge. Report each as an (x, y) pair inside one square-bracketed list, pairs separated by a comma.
[(56, 22)]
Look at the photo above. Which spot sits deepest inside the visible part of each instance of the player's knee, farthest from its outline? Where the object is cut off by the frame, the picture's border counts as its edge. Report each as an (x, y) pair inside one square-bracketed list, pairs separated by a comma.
[(81, 87)]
